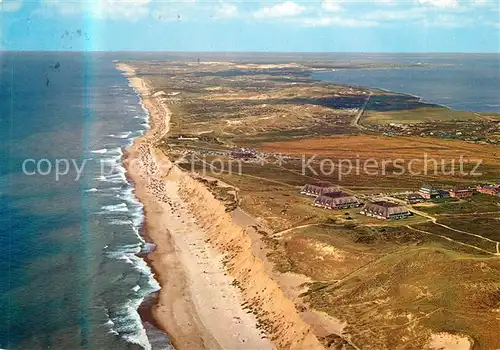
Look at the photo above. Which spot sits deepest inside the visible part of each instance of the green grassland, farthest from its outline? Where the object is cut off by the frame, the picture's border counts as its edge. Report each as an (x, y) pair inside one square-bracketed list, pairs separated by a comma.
[(417, 115), (479, 203), (458, 236), (385, 108), (485, 226)]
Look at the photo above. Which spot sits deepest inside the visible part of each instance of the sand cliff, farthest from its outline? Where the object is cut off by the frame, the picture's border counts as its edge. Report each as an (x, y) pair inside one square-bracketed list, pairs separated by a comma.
[(215, 293), (276, 313)]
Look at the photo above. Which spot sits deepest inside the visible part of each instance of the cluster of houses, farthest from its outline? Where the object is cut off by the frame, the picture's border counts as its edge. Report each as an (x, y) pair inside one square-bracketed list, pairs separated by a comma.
[(330, 197), (427, 192), (493, 190), (251, 155), (482, 132), (244, 153)]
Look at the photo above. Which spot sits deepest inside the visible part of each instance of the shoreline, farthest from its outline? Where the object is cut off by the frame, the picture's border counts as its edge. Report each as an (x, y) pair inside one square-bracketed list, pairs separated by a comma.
[(195, 286), (147, 310)]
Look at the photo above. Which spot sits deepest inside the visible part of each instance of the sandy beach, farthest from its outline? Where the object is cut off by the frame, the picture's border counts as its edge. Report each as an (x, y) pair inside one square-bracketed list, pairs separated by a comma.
[(210, 280)]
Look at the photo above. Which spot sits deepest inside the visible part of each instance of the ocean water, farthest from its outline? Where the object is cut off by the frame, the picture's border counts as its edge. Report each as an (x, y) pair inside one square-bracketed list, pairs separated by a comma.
[(69, 274), (460, 81)]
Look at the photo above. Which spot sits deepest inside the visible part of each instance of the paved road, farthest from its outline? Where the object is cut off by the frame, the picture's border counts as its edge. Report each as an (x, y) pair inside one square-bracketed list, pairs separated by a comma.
[(355, 121)]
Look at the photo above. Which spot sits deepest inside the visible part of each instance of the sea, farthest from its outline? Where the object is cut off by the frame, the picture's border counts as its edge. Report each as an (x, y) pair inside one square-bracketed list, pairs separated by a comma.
[(460, 81), (70, 225)]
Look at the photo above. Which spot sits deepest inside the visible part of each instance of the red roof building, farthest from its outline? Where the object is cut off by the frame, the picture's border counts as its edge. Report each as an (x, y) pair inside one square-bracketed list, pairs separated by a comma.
[(461, 192), (493, 190)]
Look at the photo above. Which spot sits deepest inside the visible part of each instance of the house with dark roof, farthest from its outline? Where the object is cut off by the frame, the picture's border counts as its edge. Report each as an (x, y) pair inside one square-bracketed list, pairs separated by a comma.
[(337, 200), (385, 210), (414, 198), (315, 190), (443, 194)]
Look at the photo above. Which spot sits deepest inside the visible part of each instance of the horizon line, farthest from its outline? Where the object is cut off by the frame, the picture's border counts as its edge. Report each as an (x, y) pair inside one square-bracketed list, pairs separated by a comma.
[(258, 52)]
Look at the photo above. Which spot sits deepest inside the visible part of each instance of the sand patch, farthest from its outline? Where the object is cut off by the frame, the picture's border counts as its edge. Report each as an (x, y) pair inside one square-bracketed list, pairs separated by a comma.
[(448, 341)]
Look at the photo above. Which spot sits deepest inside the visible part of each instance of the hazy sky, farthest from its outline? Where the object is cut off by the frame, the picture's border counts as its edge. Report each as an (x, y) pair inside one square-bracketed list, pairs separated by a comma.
[(223, 25)]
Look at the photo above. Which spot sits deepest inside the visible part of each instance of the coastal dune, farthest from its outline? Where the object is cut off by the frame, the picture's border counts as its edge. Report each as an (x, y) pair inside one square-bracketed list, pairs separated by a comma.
[(275, 312), (214, 292)]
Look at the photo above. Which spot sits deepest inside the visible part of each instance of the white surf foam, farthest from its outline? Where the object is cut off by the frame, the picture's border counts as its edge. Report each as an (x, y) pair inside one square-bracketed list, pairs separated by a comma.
[(114, 150), (122, 135), (118, 176), (120, 222), (110, 324), (148, 248), (112, 161), (128, 253), (127, 194), (100, 151), (127, 322), (122, 207)]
